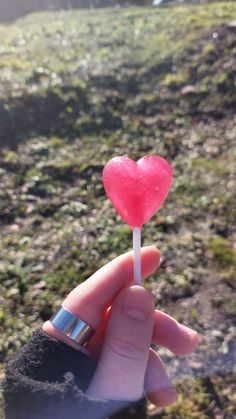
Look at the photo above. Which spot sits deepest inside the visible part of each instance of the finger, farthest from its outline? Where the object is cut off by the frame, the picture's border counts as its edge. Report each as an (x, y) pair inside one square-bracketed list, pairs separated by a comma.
[(167, 332), (157, 383), (179, 339), (95, 343), (89, 300), (92, 297), (122, 365)]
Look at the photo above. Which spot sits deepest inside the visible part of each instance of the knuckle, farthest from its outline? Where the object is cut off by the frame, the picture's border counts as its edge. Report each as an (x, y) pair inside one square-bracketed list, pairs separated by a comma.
[(126, 349)]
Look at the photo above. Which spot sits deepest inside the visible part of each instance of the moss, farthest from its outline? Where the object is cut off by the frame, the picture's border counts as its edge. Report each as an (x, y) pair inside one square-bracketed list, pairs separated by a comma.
[(116, 88), (41, 187), (14, 332), (194, 316), (208, 48), (189, 191), (86, 124), (193, 402), (222, 251), (120, 240), (74, 208), (56, 142), (10, 156), (71, 269), (16, 64), (229, 305), (216, 166), (32, 173), (176, 80)]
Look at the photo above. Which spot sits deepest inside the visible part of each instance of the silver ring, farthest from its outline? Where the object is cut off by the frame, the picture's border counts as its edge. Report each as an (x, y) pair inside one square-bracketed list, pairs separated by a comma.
[(73, 327)]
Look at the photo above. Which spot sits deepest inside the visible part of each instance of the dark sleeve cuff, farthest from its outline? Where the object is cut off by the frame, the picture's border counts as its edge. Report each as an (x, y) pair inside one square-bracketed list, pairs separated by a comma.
[(48, 380)]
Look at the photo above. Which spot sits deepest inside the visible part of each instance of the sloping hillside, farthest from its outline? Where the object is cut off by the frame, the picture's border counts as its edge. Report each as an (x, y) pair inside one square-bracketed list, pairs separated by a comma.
[(77, 88)]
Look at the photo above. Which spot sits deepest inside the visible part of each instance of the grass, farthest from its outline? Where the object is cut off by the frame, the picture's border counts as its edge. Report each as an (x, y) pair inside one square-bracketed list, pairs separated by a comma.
[(111, 82), (223, 251)]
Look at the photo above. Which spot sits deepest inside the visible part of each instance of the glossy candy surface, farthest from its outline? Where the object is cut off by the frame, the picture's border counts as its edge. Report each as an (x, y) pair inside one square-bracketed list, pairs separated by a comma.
[(137, 189)]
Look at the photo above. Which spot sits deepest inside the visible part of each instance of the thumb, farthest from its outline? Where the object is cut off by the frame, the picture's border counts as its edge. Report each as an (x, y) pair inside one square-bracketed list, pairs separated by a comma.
[(122, 365)]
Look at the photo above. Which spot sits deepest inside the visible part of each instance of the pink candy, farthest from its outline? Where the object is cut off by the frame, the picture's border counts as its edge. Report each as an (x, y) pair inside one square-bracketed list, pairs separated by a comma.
[(137, 189)]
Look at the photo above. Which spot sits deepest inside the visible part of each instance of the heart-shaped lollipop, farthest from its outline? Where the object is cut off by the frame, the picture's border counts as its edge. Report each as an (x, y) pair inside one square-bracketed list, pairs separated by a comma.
[(137, 189)]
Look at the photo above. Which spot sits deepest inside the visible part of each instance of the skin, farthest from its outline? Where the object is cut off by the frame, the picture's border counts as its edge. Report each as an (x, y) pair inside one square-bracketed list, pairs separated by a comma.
[(126, 323)]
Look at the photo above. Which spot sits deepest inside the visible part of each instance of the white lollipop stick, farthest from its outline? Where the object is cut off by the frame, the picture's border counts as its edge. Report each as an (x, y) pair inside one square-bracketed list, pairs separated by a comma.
[(137, 255)]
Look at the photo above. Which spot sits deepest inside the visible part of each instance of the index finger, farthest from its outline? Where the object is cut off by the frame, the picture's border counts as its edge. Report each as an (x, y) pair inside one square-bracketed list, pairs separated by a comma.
[(179, 339), (90, 300)]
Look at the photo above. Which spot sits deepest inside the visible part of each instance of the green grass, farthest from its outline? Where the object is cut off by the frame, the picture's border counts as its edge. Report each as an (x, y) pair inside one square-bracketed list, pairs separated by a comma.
[(79, 87), (223, 251), (99, 49)]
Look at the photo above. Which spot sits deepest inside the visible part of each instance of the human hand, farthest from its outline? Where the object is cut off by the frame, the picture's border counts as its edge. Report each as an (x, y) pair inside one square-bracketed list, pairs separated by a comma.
[(126, 323)]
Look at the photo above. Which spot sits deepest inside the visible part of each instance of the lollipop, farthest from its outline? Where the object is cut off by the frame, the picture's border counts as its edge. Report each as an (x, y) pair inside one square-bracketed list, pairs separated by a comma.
[(137, 190)]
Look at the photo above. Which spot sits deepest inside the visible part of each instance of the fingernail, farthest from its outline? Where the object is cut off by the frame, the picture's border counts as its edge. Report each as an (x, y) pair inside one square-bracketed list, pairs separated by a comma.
[(137, 303), (166, 397)]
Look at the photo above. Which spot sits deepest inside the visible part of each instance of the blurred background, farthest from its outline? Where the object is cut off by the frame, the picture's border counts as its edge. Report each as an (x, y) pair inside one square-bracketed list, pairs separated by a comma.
[(78, 87), (12, 9)]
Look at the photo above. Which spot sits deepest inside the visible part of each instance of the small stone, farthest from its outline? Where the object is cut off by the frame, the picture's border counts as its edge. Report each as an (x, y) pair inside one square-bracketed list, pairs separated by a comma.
[(190, 88), (39, 285), (196, 365)]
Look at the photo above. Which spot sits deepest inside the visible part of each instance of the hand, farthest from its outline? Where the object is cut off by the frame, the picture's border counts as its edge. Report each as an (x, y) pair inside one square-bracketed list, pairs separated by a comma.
[(126, 324)]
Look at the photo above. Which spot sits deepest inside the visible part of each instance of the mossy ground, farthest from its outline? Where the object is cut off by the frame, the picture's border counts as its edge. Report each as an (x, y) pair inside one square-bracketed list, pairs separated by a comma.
[(78, 88)]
